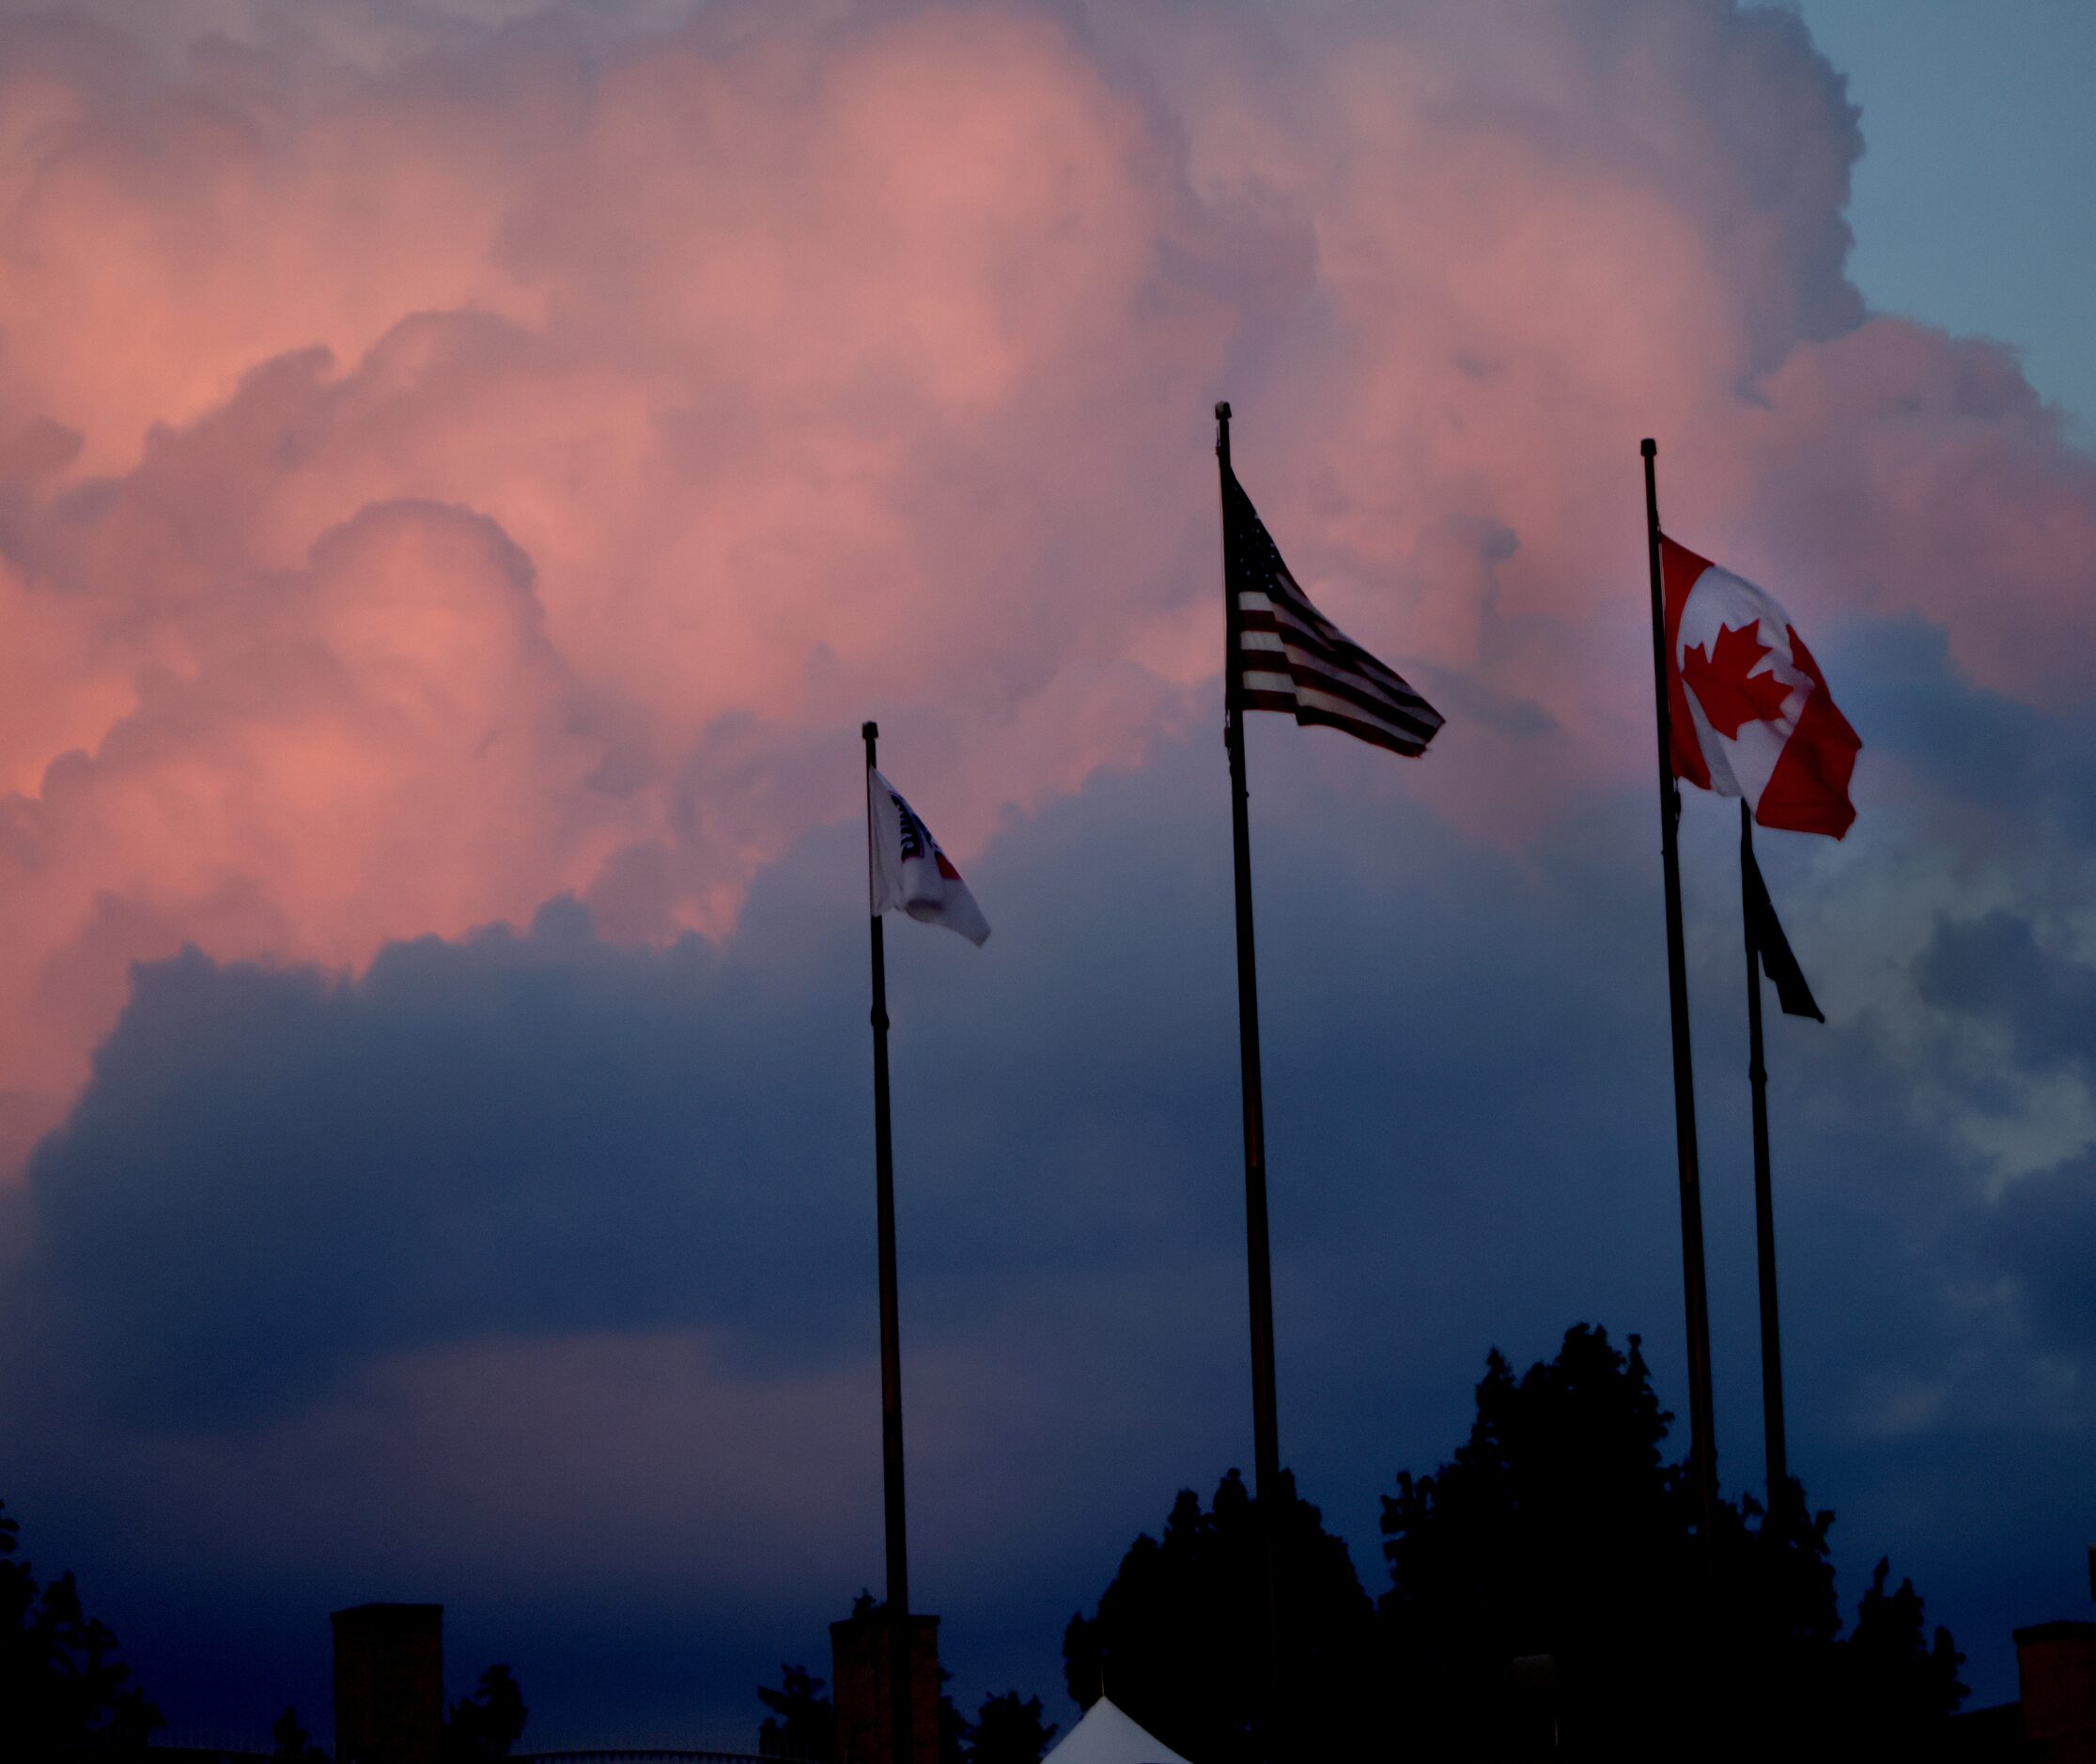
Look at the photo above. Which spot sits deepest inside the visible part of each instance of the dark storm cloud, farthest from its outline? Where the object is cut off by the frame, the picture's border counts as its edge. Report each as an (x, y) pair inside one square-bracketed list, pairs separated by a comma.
[(273, 1176), (1995, 968), (2044, 1233), (276, 1177)]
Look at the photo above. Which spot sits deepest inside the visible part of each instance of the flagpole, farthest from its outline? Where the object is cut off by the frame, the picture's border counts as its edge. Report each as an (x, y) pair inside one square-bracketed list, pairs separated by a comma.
[(1701, 1425), (1265, 1435), (1765, 1204), (891, 1331)]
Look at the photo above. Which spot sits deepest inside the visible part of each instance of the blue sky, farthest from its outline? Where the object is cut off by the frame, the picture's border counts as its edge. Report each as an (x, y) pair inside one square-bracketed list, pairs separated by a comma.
[(1970, 206)]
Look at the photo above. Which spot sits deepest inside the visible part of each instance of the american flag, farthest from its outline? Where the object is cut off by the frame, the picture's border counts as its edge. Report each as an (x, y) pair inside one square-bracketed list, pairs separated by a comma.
[(1286, 656)]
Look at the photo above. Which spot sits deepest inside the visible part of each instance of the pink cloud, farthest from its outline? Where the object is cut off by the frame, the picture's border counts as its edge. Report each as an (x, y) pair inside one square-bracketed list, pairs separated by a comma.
[(444, 463)]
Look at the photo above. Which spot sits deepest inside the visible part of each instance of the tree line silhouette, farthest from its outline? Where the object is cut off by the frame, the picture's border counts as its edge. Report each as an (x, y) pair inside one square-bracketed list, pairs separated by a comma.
[(61, 1685), (1549, 1589), (64, 1693)]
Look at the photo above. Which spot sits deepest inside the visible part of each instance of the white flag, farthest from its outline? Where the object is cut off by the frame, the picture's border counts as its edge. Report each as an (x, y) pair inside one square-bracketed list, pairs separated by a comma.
[(911, 873)]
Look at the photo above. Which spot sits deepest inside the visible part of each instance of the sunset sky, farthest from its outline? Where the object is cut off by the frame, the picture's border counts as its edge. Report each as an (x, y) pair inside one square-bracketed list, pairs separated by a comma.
[(468, 467)]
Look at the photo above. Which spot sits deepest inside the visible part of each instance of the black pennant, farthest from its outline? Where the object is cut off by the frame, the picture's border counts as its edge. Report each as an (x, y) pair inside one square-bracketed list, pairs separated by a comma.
[(1774, 949)]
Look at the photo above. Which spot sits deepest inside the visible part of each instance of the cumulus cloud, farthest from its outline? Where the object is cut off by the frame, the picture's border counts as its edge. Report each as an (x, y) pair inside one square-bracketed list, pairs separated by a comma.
[(456, 455)]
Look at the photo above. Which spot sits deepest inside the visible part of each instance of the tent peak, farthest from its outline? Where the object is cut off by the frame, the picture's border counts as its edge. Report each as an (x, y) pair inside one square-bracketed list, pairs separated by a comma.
[(1108, 1734)]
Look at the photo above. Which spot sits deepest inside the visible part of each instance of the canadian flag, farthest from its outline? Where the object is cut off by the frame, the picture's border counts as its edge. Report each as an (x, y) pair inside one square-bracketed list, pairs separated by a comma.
[(1751, 713)]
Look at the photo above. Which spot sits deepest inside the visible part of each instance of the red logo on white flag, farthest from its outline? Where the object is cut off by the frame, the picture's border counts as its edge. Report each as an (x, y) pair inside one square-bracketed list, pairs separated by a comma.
[(1751, 716), (909, 873)]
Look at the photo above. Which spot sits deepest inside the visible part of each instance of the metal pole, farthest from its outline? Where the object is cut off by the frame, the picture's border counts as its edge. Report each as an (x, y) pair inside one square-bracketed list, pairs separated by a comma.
[(1765, 1204), (891, 1333), (1702, 1426), (1258, 1253)]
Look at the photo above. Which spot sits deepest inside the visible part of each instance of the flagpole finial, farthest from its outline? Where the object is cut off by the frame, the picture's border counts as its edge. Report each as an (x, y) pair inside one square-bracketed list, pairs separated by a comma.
[(1648, 448), (870, 729), (1222, 411)]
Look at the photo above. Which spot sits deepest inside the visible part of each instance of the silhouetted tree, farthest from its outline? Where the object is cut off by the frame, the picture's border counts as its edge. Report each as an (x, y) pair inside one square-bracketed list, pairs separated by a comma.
[(61, 1684), (1558, 1528), (803, 1722), (955, 1735), (486, 1723), (290, 1742), (1898, 1687), (1008, 1731), (1180, 1632)]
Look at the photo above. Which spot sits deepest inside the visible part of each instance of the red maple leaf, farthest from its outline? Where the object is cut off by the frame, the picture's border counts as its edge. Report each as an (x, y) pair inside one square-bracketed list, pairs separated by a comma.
[(1726, 685)]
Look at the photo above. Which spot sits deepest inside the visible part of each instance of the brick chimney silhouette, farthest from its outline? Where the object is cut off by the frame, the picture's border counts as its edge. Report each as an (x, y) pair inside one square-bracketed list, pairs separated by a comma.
[(389, 1684), (2055, 1667), (859, 1687)]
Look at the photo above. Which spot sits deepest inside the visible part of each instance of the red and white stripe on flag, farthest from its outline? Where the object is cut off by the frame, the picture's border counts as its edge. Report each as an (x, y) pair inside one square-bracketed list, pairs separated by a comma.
[(1751, 713)]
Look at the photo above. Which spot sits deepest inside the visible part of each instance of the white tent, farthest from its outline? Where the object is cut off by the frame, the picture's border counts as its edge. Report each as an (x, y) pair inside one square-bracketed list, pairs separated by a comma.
[(1106, 1736)]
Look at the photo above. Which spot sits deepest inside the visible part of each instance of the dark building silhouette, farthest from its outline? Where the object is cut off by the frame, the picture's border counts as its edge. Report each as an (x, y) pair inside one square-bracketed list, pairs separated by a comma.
[(2054, 1718), (2056, 1680), (389, 1684), (859, 1684)]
